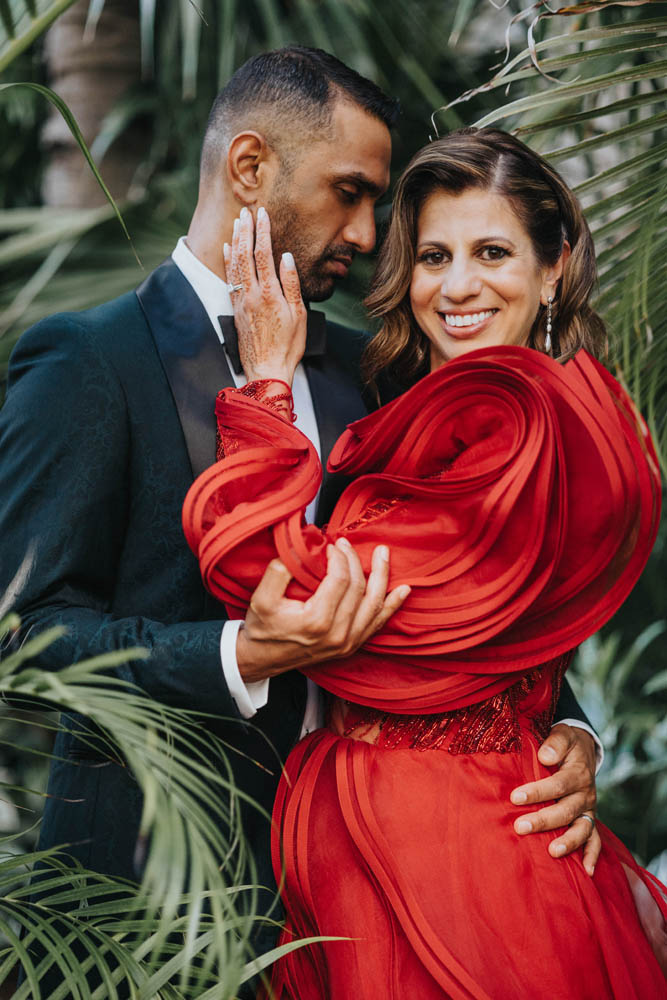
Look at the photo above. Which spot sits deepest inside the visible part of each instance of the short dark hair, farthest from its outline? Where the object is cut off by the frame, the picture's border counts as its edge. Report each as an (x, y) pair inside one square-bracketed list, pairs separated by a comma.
[(276, 92)]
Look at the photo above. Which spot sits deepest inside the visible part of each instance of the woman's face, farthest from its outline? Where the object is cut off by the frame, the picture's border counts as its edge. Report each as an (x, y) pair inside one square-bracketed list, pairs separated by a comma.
[(477, 281)]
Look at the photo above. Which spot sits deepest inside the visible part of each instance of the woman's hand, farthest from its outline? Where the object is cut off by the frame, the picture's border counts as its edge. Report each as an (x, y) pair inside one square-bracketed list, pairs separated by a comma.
[(269, 314)]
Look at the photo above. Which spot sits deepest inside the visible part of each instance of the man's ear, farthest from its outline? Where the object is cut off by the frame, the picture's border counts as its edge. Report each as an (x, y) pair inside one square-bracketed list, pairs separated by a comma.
[(554, 274), (250, 164)]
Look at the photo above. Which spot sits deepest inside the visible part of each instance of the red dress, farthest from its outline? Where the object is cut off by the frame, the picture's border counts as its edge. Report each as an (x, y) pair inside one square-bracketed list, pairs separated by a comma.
[(520, 499)]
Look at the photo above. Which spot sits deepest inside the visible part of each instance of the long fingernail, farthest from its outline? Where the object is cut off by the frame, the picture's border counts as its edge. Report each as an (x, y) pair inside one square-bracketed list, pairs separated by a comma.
[(288, 259), (559, 850), (225, 249), (343, 543), (244, 213), (383, 552), (549, 753), (261, 212), (235, 228), (518, 798), (404, 591), (524, 826)]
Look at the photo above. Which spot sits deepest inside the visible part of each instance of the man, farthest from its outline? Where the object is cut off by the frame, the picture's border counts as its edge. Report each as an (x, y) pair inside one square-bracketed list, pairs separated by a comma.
[(109, 416)]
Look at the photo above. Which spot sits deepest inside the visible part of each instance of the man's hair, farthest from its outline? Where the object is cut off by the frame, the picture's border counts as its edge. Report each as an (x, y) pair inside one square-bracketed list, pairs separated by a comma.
[(288, 95)]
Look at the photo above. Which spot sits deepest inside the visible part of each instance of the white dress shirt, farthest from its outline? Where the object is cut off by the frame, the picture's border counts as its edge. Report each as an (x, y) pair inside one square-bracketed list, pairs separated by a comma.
[(213, 293)]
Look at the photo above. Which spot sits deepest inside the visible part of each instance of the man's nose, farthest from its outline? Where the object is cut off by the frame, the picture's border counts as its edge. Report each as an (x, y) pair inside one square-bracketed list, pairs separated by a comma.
[(359, 231)]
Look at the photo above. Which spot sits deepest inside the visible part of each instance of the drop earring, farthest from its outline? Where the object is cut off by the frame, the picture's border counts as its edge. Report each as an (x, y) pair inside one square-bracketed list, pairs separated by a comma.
[(547, 339)]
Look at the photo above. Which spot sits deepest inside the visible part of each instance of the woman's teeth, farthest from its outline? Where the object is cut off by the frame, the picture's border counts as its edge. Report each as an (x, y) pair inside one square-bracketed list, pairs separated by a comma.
[(470, 319)]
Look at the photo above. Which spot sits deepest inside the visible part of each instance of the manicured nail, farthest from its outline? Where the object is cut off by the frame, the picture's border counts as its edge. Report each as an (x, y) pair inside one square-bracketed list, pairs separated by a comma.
[(559, 850), (261, 212), (549, 753), (518, 798), (383, 552), (343, 543), (288, 259), (225, 249), (524, 826), (404, 591), (244, 213), (237, 223)]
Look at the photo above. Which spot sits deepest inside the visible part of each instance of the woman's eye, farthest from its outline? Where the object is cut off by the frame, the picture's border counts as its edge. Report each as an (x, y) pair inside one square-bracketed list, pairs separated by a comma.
[(434, 257), (494, 253)]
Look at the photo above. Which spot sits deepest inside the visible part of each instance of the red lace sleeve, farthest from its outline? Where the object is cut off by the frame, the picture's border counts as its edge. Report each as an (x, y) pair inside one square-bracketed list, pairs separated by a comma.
[(520, 499)]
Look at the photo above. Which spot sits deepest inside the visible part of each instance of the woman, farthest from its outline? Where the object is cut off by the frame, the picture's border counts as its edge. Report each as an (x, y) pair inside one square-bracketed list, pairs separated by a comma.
[(520, 498)]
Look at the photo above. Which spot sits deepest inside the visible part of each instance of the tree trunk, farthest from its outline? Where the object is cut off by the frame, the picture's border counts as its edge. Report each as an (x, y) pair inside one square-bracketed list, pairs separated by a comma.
[(90, 76)]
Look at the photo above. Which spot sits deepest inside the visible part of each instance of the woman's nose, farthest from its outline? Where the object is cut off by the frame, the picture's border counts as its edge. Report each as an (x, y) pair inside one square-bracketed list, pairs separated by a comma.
[(460, 281)]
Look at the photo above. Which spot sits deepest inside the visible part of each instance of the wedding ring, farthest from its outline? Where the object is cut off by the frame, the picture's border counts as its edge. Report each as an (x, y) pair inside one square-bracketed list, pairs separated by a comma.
[(234, 288), (590, 819)]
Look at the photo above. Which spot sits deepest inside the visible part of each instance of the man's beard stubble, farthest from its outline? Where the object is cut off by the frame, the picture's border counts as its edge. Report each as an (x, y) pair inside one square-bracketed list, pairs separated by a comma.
[(287, 234)]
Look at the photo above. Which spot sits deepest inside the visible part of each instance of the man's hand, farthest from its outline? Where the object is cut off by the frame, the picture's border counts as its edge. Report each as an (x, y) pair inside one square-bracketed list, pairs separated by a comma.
[(346, 609), (573, 787)]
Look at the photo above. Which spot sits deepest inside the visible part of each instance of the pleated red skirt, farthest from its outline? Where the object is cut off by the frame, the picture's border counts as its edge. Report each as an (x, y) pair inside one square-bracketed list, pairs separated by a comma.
[(411, 853)]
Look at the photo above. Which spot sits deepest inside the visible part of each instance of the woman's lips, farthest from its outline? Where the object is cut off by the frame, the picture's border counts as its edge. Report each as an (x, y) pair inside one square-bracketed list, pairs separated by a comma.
[(471, 329)]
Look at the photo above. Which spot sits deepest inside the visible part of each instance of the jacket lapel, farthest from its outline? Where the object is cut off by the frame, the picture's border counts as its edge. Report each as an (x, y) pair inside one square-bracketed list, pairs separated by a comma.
[(337, 402), (196, 367), (192, 357)]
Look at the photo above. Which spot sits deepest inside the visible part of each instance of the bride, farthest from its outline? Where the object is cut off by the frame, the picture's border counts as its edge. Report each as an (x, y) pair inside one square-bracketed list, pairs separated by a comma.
[(518, 490)]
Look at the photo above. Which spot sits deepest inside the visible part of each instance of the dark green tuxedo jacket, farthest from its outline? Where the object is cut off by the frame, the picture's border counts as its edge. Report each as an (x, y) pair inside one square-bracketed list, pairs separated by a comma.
[(108, 418)]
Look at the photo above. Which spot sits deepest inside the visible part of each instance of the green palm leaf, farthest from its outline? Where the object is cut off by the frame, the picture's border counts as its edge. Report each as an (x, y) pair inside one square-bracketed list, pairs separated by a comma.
[(185, 929), (22, 22)]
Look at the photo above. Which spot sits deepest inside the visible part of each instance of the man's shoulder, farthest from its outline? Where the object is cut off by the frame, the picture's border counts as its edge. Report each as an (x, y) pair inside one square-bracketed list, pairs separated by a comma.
[(111, 329), (94, 322)]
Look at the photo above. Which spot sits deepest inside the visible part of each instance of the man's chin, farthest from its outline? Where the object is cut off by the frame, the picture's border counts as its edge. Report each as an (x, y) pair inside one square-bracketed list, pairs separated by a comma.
[(319, 290)]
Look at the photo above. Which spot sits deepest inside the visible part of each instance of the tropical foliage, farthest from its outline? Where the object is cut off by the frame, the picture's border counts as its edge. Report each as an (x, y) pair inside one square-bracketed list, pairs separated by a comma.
[(585, 84), (184, 931)]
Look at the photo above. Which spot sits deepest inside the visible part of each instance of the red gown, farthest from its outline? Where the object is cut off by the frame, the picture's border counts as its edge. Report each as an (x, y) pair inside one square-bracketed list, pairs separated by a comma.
[(520, 499)]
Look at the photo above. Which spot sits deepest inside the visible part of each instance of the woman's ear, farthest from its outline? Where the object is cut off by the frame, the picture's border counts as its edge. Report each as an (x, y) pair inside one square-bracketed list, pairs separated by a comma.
[(250, 162), (553, 275)]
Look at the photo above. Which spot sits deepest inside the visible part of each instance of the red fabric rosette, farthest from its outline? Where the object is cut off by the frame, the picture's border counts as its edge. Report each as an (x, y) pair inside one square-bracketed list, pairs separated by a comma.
[(520, 499)]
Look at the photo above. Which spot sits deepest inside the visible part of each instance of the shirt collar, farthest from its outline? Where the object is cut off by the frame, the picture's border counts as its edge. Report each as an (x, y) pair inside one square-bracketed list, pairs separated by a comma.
[(209, 288)]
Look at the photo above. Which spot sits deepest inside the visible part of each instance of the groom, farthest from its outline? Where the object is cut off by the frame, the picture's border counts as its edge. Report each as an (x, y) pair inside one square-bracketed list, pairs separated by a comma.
[(109, 416)]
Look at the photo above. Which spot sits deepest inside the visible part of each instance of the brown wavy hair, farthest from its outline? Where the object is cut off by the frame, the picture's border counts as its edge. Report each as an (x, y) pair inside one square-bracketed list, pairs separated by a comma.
[(490, 160)]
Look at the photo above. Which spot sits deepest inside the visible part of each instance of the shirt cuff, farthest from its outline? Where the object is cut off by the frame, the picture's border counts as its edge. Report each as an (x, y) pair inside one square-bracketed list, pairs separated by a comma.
[(599, 749), (248, 697)]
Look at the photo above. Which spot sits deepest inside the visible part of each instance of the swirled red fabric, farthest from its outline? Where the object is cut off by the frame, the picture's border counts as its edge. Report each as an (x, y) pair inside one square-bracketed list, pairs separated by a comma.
[(520, 499)]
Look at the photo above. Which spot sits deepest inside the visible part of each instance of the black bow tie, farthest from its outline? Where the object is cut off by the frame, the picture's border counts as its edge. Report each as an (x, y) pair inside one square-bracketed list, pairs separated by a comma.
[(316, 338)]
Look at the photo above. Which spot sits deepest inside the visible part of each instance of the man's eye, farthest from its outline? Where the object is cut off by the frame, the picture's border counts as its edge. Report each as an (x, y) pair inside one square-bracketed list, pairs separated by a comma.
[(494, 253), (349, 194)]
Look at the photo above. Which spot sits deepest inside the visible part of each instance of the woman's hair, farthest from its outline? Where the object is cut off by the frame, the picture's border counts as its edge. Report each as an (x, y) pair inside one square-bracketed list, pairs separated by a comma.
[(489, 160)]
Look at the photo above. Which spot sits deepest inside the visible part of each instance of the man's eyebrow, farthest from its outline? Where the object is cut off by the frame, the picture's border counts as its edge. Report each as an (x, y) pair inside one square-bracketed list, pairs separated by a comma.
[(363, 182)]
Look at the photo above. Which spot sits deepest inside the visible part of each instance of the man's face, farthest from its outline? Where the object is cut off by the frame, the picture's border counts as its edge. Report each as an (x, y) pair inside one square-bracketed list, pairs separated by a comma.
[(323, 211)]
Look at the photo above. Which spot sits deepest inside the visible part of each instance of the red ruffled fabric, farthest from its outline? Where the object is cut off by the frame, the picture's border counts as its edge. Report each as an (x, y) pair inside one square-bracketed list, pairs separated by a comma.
[(520, 499)]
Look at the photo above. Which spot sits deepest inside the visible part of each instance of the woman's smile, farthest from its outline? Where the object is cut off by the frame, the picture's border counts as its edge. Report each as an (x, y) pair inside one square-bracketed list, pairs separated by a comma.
[(477, 281)]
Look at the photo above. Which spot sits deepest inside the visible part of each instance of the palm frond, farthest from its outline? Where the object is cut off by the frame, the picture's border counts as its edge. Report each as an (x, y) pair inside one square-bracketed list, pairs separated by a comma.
[(189, 921), (22, 22)]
